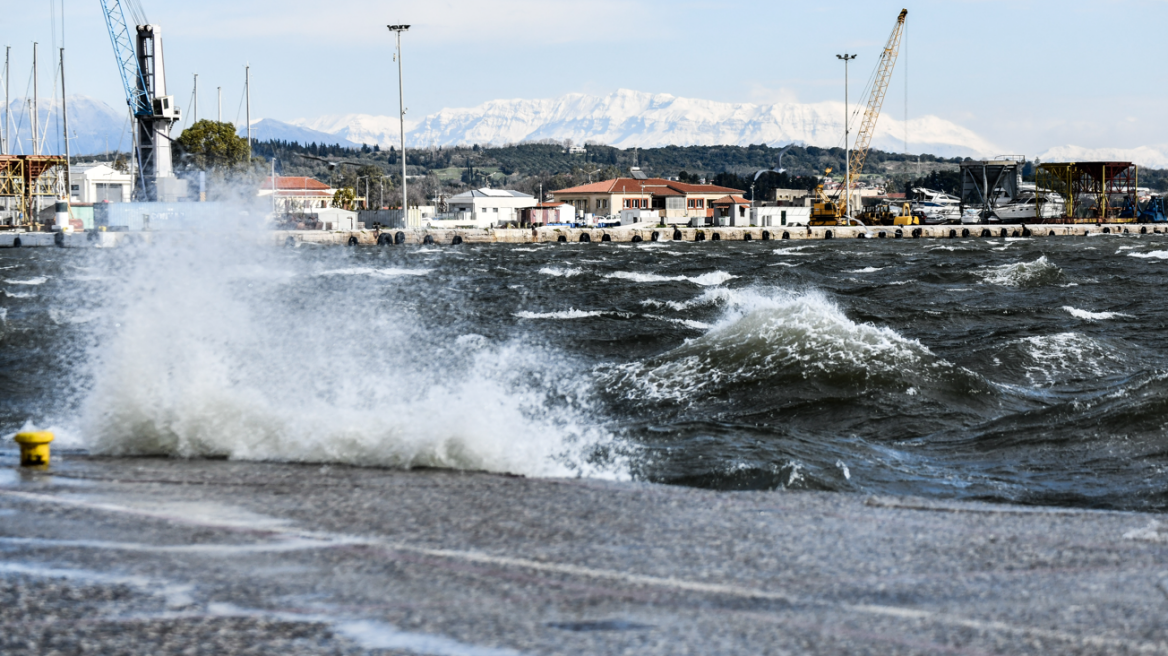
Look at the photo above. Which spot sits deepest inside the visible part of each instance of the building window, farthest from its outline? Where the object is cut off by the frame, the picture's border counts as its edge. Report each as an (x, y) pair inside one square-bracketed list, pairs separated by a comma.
[(697, 203)]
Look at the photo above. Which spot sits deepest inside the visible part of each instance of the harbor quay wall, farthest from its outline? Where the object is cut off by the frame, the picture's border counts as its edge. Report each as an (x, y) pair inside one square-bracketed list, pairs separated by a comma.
[(447, 236)]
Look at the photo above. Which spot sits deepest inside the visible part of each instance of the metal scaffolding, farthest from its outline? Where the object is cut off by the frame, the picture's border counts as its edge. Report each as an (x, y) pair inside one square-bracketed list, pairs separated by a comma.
[(28, 178), (986, 183), (1091, 191)]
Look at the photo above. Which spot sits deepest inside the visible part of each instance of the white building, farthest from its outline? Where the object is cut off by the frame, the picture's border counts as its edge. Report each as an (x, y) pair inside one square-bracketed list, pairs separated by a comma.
[(334, 218), (485, 208), (99, 182)]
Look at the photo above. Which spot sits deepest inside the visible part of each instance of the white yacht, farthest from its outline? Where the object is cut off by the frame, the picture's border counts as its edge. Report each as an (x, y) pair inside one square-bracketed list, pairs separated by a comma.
[(937, 206)]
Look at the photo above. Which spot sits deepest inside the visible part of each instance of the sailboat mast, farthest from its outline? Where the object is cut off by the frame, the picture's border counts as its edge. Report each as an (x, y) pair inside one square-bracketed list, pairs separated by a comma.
[(247, 88), (65, 127), (36, 104), (7, 118)]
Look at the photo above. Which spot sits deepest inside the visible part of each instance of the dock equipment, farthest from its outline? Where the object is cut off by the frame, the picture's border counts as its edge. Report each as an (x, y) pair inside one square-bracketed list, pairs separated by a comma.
[(143, 73), (1092, 191), (830, 211), (984, 183), (27, 177)]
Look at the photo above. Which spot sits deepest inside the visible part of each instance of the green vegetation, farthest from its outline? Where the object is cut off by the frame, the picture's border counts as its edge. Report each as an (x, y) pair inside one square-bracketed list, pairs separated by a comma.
[(441, 172), (210, 145)]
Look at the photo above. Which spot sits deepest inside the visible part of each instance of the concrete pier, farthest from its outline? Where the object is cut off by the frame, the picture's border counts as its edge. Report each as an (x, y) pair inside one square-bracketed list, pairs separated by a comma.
[(602, 235), (149, 556)]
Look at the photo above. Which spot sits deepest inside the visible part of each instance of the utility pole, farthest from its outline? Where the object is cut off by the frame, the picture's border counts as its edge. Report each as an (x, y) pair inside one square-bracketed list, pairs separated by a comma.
[(247, 89), (220, 104), (65, 126), (195, 119), (36, 104), (398, 29), (847, 145)]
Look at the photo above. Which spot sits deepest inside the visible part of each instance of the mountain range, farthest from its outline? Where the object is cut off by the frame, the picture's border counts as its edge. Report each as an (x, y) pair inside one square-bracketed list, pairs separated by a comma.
[(623, 118)]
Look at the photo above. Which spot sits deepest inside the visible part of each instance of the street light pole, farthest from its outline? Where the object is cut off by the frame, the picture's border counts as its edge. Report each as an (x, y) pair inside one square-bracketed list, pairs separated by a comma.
[(847, 145), (398, 29)]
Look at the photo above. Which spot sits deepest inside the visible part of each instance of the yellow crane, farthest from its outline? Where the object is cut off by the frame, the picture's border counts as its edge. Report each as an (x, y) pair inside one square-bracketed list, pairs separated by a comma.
[(830, 211)]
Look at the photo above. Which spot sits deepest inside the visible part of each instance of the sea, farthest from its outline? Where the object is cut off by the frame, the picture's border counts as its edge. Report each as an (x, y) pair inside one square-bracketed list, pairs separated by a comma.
[(1023, 370)]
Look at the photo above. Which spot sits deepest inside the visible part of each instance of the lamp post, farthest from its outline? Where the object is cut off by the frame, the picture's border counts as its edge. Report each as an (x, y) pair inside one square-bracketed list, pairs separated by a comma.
[(398, 29), (847, 146)]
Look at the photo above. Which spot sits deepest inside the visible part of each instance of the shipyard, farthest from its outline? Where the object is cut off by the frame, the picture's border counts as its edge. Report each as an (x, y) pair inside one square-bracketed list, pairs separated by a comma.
[(853, 346)]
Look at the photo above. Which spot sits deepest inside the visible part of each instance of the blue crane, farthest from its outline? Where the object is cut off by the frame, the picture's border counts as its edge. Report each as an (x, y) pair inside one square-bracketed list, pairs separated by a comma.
[(137, 93)]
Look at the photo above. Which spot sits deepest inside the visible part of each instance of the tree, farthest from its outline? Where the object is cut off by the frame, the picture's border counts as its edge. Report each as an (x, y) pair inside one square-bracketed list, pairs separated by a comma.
[(344, 198), (210, 145)]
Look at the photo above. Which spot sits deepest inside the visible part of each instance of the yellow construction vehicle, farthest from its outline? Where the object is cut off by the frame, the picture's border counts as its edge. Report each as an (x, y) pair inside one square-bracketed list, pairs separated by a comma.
[(830, 211)]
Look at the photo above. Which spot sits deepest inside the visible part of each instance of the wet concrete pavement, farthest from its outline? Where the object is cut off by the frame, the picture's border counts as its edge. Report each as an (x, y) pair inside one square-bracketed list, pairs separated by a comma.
[(149, 556)]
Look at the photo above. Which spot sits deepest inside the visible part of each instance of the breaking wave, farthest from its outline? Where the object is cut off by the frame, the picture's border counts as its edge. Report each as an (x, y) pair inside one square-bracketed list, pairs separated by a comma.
[(1023, 274), (560, 273), (1093, 316), (38, 280), (1157, 255), (706, 279), (562, 314), (781, 337), (186, 362)]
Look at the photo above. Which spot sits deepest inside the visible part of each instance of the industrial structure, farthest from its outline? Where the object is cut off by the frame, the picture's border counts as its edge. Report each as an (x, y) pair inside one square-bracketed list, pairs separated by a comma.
[(27, 179), (987, 183), (827, 211), (143, 70), (1092, 192)]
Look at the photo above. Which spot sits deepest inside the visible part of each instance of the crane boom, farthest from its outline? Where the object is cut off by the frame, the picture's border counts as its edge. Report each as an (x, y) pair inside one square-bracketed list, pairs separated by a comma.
[(829, 211), (137, 95), (876, 101)]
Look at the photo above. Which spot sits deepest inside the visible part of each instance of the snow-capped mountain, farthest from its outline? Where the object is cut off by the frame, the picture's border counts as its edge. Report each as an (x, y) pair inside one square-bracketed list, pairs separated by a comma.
[(1155, 156), (357, 128), (631, 118), (623, 118), (94, 126)]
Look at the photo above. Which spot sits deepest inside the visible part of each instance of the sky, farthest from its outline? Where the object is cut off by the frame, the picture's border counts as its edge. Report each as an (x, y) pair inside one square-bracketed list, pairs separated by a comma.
[(1026, 75)]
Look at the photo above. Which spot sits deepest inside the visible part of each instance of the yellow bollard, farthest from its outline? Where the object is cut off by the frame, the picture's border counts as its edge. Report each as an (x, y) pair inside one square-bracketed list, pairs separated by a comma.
[(34, 448)]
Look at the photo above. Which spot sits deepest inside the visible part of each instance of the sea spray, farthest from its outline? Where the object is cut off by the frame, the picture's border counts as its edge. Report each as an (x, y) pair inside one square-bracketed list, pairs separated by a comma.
[(213, 346)]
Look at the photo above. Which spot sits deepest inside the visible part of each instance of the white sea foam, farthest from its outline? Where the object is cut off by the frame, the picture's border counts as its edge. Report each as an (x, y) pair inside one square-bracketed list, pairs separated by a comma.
[(1022, 274), (38, 280), (1151, 255), (389, 272), (688, 323), (189, 363), (19, 294), (562, 314), (1093, 316), (1054, 358), (867, 270), (773, 333), (706, 279), (792, 250), (560, 273)]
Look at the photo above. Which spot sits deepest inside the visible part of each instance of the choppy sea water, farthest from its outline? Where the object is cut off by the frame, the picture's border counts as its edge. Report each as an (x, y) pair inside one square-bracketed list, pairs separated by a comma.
[(1025, 370)]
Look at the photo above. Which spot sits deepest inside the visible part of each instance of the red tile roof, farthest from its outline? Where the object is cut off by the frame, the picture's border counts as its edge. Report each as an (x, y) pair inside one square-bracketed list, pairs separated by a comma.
[(731, 200), (297, 182), (654, 186)]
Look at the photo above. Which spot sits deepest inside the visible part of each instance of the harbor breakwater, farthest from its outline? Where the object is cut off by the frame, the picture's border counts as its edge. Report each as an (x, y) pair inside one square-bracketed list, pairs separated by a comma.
[(599, 235)]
